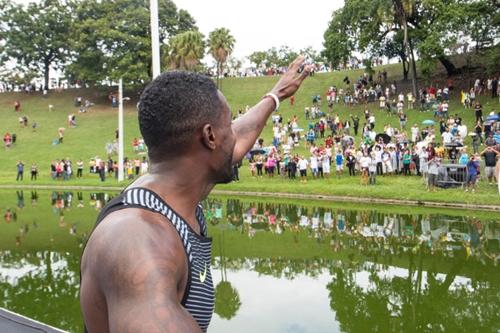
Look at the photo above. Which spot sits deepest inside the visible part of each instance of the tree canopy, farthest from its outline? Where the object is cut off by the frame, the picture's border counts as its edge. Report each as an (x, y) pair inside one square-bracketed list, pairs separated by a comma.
[(220, 45), (36, 36), (376, 28), (112, 40)]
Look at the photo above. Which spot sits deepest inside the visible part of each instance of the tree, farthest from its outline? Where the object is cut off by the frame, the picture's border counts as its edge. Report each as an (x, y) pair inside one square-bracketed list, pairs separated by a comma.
[(186, 50), (404, 10), (36, 36), (338, 43), (112, 39), (220, 45), (258, 58), (428, 28)]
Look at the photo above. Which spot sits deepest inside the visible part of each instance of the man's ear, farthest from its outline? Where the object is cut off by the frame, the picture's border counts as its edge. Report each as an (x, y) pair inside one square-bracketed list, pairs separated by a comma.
[(208, 136)]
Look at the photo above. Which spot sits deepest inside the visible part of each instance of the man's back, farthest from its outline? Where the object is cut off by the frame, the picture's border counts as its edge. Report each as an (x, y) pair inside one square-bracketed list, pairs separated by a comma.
[(136, 258)]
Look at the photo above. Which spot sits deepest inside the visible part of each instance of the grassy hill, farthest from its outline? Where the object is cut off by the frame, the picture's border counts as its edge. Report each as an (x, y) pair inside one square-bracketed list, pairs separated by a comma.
[(97, 127)]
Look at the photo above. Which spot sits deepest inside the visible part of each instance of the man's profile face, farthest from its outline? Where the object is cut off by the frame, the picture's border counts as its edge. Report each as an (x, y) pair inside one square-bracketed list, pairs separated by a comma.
[(224, 171)]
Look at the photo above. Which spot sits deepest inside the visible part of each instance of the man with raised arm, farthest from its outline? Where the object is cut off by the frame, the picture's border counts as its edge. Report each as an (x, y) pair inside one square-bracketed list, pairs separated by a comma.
[(146, 265)]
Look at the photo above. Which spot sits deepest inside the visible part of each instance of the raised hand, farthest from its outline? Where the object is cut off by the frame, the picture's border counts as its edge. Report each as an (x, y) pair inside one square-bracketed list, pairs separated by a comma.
[(290, 82)]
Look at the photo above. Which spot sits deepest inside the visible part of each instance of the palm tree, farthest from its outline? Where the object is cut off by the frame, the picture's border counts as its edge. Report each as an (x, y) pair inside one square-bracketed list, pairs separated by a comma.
[(220, 45), (186, 50), (227, 298)]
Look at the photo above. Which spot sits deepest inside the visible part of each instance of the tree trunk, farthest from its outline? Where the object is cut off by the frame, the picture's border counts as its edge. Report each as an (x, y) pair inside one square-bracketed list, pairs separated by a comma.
[(414, 82), (450, 67), (46, 69), (406, 66), (217, 75)]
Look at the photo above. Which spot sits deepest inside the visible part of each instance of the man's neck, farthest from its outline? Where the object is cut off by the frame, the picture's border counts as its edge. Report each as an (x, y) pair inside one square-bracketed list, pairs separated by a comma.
[(180, 184)]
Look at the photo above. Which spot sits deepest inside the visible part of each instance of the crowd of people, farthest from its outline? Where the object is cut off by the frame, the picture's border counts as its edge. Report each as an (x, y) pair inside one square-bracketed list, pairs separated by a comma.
[(346, 145), (337, 143)]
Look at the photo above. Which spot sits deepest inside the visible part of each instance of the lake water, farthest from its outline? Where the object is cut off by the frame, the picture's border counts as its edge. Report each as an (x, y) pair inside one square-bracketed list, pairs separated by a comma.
[(280, 266)]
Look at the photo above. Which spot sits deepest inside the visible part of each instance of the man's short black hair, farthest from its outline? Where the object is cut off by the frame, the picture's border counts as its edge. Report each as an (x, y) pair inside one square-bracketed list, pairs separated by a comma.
[(173, 107)]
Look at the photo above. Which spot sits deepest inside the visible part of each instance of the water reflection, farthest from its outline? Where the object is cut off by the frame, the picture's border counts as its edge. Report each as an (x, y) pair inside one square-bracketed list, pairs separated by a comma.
[(368, 270), (370, 232)]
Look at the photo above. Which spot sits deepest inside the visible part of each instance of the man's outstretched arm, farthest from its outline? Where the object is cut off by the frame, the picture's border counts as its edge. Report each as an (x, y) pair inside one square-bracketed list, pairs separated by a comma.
[(248, 127)]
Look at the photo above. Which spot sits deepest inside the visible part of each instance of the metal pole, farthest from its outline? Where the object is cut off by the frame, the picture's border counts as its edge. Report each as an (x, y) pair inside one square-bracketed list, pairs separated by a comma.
[(155, 38), (120, 131)]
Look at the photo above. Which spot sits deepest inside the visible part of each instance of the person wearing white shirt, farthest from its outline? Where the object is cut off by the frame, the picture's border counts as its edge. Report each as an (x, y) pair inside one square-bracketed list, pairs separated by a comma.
[(409, 96), (364, 163), (462, 131), (414, 133), (303, 163), (400, 106), (447, 137), (387, 162), (314, 165), (325, 161), (382, 102), (371, 121), (401, 97), (389, 131), (372, 168)]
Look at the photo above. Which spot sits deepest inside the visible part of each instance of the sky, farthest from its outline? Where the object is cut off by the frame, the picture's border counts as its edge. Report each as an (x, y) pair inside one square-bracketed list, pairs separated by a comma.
[(258, 25)]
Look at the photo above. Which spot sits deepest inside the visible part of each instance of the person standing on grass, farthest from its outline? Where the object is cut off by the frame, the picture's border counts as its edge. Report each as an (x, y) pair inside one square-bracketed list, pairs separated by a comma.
[(364, 164), (79, 169), (303, 164), (372, 168), (259, 163), (432, 174), (406, 162), (314, 164), (153, 272), (472, 173), (490, 160), (387, 162), (355, 124), (378, 160), (292, 167), (478, 111), (339, 163), (34, 171), (351, 164), (20, 170)]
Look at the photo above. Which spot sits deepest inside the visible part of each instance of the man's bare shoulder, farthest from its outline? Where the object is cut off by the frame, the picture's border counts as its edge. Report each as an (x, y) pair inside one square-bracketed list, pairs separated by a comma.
[(128, 243)]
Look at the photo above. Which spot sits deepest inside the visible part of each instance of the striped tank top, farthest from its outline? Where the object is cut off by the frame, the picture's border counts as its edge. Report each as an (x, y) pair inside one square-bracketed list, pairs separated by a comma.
[(198, 297)]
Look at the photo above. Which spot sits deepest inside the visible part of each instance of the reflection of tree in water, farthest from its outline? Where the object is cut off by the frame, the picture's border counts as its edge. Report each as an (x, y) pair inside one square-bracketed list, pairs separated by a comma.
[(227, 298), (412, 303), (48, 292), (379, 235)]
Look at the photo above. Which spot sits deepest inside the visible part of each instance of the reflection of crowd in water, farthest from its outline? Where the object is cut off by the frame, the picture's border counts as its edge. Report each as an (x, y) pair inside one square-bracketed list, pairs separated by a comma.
[(370, 232), (61, 202)]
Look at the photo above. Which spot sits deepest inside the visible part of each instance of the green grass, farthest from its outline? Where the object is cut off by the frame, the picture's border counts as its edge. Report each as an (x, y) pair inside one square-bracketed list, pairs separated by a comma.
[(97, 127)]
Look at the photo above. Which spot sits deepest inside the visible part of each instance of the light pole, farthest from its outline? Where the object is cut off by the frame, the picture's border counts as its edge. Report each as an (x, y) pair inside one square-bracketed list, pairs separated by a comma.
[(120, 131), (155, 37)]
